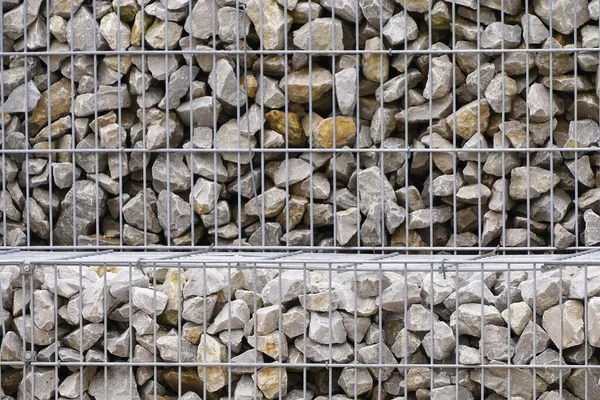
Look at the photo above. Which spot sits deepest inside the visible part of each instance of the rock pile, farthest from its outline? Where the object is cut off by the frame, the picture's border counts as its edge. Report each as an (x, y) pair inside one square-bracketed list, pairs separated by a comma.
[(257, 317), (504, 137)]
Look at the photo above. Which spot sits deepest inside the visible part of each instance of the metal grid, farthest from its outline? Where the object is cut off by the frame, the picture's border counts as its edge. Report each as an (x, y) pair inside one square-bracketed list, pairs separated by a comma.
[(147, 365), (38, 213)]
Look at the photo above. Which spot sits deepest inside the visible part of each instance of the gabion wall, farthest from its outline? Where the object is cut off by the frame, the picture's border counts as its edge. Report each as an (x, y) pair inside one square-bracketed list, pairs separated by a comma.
[(424, 124), (214, 330)]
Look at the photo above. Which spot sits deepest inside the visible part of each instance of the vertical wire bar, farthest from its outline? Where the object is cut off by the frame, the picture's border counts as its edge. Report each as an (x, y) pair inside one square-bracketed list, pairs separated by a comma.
[(55, 268), (334, 140), (585, 329), (131, 333), (508, 319), (144, 146), (262, 129), (255, 328), (229, 377), (74, 240), (405, 312), (214, 73), (180, 335), (527, 133), (105, 328), (287, 141), (26, 141), (310, 144), (168, 132), (120, 122), (454, 142), (479, 149), (481, 342), (357, 144), (192, 149), (49, 122), (380, 314), (239, 139), (503, 139), (32, 313), (155, 302), (96, 138), (205, 295), (550, 53), (431, 328), (560, 304), (407, 145), (2, 128), (430, 103), (535, 325), (304, 372), (576, 161), (382, 176)]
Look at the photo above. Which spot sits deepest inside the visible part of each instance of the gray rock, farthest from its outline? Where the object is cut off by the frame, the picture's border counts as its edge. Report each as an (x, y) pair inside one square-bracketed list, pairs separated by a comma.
[(346, 225), (439, 82), (223, 81), (139, 212), (199, 111), (148, 300), (469, 317), (320, 33), (178, 219), (498, 35), (268, 93), (566, 16), (591, 235), (295, 321), (286, 287), (86, 210), (534, 31), (372, 354), (116, 33), (292, 171), (233, 315), (439, 343), (355, 381), (326, 328), (565, 322), (400, 28), (270, 22), (16, 101)]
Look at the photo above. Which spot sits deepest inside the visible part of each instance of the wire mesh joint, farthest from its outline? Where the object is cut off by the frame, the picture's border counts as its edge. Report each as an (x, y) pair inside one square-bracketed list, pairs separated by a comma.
[(28, 356), (26, 269)]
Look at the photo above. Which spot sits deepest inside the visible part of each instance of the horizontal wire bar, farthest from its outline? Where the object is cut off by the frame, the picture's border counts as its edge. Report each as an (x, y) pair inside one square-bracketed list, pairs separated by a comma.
[(307, 248), (289, 365), (162, 52), (300, 150)]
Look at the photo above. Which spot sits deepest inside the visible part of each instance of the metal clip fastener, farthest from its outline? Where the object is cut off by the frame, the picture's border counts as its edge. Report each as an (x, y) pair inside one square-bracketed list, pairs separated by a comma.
[(28, 356), (26, 269), (442, 268)]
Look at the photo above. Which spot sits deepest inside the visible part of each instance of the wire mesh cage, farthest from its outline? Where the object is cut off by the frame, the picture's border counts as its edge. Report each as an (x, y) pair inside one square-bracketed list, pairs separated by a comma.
[(408, 125), (252, 325)]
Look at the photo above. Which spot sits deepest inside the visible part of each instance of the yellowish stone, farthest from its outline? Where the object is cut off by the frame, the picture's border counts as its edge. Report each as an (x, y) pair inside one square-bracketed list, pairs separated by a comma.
[(375, 67), (60, 95), (277, 122), (345, 133), (190, 380), (272, 380), (136, 29), (467, 118), (173, 288), (112, 62)]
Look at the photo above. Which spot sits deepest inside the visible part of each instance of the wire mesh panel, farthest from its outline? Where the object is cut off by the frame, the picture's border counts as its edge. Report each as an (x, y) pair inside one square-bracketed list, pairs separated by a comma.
[(353, 124), (296, 326)]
